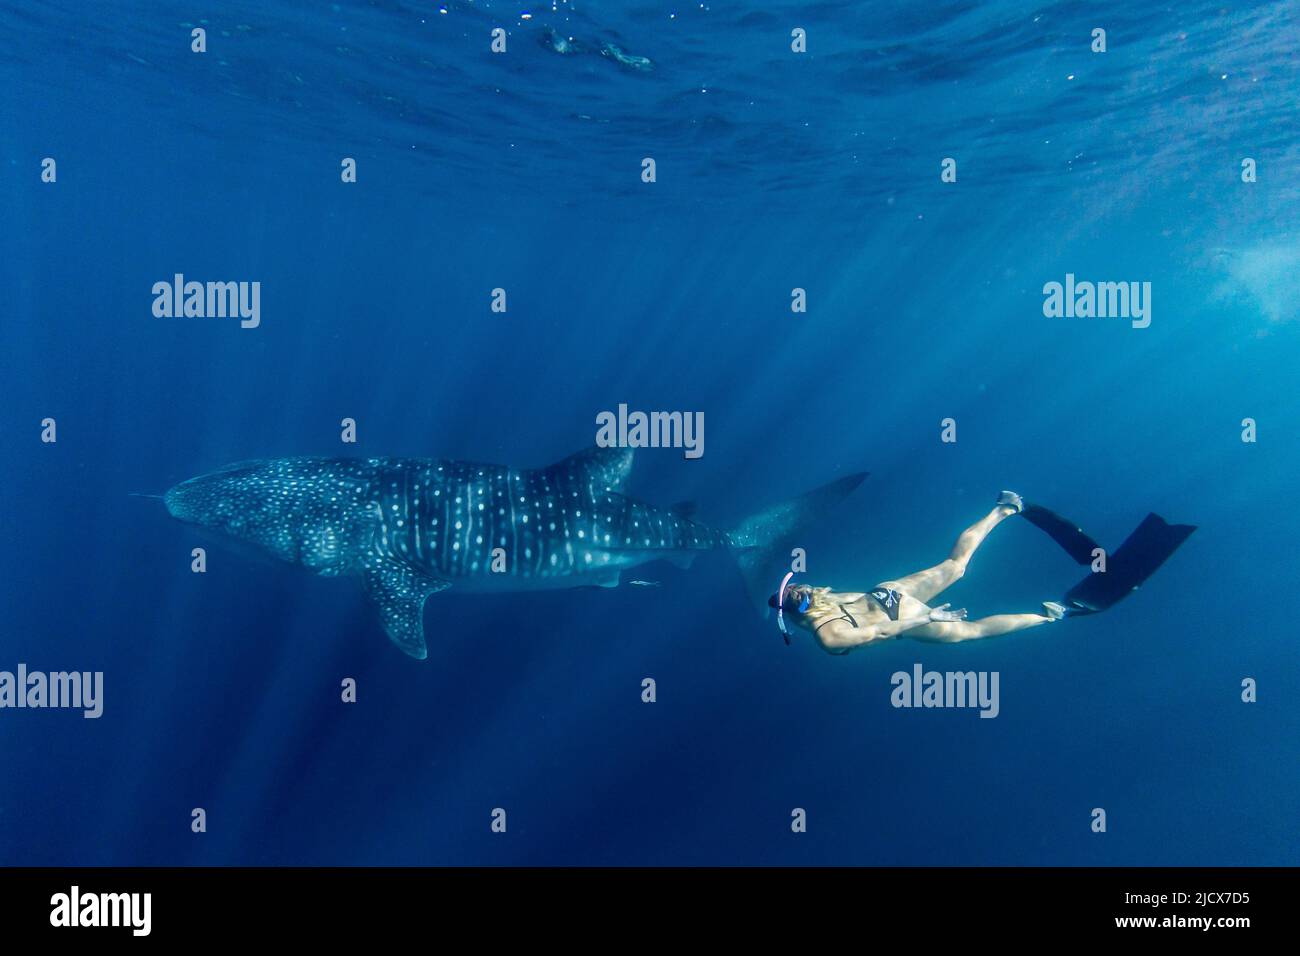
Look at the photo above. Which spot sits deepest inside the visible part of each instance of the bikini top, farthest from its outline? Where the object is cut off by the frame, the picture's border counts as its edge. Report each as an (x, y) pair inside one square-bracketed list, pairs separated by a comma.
[(844, 616)]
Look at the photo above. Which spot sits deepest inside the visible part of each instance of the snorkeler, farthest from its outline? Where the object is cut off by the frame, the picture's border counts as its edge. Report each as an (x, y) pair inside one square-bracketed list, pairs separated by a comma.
[(901, 608)]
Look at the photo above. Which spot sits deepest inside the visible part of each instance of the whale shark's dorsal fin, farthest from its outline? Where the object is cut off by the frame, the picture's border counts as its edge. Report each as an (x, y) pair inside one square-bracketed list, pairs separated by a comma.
[(399, 593), (606, 467)]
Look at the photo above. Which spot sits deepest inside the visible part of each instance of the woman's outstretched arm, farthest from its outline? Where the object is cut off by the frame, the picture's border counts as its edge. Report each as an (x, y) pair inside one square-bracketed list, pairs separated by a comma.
[(839, 635)]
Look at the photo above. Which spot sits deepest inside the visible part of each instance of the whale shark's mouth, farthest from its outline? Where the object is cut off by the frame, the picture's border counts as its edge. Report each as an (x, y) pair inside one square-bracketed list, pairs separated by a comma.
[(173, 501)]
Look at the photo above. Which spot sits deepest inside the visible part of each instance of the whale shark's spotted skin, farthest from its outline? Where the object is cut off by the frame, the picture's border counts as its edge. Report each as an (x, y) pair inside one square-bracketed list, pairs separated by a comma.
[(411, 527), (447, 518)]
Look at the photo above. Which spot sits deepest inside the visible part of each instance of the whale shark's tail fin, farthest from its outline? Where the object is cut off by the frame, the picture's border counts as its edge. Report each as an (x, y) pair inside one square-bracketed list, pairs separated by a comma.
[(762, 542)]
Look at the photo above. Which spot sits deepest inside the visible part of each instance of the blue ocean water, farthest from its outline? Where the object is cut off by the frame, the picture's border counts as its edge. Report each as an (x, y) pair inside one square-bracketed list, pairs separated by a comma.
[(774, 171)]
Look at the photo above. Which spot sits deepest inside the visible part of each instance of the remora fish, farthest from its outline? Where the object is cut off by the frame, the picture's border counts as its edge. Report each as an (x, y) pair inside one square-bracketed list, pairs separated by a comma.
[(410, 527)]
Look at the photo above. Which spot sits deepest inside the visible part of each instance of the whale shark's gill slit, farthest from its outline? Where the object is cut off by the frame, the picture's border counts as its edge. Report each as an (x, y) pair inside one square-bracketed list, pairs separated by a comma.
[(511, 484), (413, 507), (467, 547)]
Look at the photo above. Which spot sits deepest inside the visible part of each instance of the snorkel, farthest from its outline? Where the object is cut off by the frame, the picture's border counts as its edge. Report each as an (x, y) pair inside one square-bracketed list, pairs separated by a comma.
[(804, 601)]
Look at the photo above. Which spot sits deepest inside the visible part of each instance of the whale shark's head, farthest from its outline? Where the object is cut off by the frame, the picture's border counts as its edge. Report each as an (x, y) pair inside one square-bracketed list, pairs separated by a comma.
[(230, 501), (301, 510), (254, 502)]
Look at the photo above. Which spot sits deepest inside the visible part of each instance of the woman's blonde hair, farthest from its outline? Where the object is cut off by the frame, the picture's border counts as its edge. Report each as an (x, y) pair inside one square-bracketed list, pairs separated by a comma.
[(818, 602)]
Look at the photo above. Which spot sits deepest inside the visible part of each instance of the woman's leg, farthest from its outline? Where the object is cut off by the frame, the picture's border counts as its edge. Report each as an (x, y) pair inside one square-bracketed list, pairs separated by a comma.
[(924, 585), (957, 631)]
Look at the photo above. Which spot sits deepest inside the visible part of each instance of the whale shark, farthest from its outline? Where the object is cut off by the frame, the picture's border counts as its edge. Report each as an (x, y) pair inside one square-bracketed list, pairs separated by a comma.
[(411, 527)]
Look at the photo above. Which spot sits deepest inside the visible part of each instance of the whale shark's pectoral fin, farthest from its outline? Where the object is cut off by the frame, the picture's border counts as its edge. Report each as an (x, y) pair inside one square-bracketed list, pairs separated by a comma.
[(400, 592)]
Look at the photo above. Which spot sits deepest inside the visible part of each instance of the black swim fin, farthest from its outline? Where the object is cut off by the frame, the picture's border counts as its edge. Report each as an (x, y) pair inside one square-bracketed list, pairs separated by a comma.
[(1067, 534), (1148, 547)]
